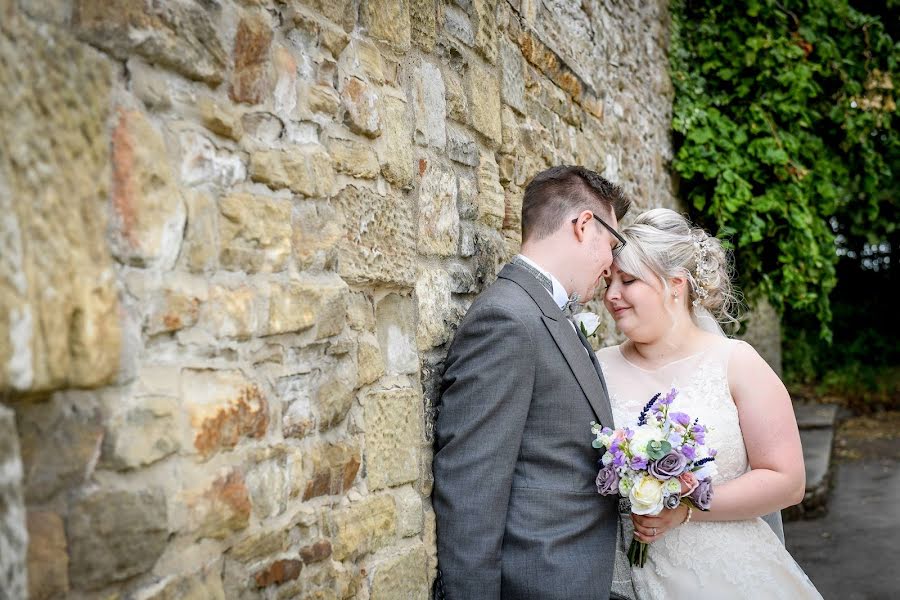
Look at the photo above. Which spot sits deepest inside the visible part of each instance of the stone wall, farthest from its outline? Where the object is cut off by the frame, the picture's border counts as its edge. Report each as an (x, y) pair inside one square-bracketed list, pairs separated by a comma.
[(235, 239)]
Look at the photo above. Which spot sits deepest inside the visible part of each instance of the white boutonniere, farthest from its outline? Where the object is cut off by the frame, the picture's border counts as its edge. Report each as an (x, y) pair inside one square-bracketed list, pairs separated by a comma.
[(587, 322)]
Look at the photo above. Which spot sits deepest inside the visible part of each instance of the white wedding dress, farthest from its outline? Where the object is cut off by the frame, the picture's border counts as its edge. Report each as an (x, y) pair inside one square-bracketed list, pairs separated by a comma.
[(703, 560)]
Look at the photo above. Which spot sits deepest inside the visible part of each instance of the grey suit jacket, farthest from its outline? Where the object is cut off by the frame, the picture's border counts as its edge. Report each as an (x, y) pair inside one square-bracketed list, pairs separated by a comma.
[(518, 513)]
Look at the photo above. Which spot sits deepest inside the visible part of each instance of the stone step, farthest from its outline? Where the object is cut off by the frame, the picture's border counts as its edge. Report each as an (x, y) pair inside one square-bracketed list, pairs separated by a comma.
[(816, 423)]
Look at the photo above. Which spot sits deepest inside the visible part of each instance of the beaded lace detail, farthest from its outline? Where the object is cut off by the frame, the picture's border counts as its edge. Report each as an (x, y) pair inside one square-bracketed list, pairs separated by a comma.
[(726, 559)]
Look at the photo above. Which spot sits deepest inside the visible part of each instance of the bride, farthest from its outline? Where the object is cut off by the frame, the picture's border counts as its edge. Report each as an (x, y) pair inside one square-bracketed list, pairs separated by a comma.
[(667, 291)]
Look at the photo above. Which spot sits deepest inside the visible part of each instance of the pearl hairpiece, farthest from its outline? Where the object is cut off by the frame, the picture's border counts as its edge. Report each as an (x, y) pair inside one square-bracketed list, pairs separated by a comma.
[(704, 274)]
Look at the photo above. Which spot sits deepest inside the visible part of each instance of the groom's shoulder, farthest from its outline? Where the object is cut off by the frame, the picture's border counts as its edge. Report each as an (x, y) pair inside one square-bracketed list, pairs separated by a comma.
[(504, 294)]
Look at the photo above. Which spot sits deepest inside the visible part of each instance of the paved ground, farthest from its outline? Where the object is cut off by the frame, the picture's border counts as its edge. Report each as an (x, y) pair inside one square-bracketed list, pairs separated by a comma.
[(853, 553)]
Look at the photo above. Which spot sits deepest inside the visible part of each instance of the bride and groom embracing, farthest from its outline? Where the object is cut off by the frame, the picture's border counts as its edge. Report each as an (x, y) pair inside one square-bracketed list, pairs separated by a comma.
[(518, 511)]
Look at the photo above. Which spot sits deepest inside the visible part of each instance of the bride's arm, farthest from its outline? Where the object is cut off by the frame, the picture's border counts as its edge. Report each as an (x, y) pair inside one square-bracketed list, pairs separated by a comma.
[(778, 477)]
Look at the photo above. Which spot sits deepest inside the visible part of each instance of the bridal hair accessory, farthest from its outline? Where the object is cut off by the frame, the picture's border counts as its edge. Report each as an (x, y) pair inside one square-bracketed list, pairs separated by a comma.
[(704, 274)]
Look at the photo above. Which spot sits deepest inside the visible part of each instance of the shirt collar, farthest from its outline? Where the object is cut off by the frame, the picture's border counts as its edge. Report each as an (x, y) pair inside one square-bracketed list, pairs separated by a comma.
[(559, 294)]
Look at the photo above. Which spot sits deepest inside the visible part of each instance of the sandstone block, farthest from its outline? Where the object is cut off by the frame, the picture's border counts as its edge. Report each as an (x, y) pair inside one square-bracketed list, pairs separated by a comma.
[(361, 110), (141, 435), (148, 212), (382, 251), (393, 436), (362, 59), (305, 169), (59, 440), (221, 508), (220, 118), (360, 312), (48, 560), (255, 233), (59, 160), (403, 576), (457, 103), (433, 297), (316, 552), (259, 545), (397, 334), (284, 96), (278, 572), (296, 394), (512, 82), (333, 400), (262, 130), (223, 407), (395, 151), (330, 469), (461, 147), (369, 360), (410, 518), (180, 36), (438, 215), (353, 158), (251, 80), (301, 303), (363, 527), (388, 21), (267, 488), (172, 309), (323, 99), (491, 201), (430, 106), (230, 313), (483, 98), (342, 12), (114, 535), (485, 28), (203, 163), (315, 237), (423, 20)]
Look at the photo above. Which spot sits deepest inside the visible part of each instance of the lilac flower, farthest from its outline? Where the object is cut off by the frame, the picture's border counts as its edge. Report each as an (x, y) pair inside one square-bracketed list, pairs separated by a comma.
[(619, 459), (629, 433), (702, 496), (700, 438), (680, 418), (638, 463), (608, 481), (689, 452), (713, 452), (669, 466), (669, 398)]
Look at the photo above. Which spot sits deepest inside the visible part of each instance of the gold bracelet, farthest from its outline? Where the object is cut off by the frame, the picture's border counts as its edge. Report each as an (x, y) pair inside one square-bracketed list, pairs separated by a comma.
[(687, 519)]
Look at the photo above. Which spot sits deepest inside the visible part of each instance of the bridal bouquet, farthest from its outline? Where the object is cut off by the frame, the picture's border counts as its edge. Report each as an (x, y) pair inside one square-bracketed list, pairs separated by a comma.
[(661, 463)]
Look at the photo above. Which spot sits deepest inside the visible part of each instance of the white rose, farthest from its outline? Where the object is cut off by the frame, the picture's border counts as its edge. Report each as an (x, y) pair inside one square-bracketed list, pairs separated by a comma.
[(672, 486), (646, 496), (588, 322), (643, 436)]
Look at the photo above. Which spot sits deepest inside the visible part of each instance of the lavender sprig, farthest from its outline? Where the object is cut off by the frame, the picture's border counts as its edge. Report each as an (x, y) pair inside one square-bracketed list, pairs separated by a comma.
[(643, 418)]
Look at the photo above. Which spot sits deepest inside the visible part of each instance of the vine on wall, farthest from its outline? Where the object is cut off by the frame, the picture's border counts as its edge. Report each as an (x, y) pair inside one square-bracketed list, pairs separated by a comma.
[(785, 136)]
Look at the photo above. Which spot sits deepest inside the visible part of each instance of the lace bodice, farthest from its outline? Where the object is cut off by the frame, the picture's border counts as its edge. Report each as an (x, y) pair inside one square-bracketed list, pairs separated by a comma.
[(702, 384), (703, 560)]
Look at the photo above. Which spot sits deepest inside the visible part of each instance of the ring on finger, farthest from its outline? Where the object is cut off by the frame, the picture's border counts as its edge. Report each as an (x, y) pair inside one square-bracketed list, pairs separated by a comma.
[(654, 531)]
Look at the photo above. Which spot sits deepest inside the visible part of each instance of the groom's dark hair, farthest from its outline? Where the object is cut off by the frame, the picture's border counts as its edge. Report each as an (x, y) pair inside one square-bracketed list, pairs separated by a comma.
[(559, 191)]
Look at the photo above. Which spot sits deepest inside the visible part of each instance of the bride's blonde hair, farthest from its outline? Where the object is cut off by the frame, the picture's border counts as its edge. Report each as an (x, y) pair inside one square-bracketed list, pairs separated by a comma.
[(665, 243)]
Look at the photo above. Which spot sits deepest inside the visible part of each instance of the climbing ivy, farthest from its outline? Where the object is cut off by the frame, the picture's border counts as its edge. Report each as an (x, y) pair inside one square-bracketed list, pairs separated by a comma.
[(785, 137)]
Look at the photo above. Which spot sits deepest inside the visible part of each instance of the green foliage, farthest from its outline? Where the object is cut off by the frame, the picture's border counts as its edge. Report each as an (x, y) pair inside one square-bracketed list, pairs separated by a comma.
[(785, 135)]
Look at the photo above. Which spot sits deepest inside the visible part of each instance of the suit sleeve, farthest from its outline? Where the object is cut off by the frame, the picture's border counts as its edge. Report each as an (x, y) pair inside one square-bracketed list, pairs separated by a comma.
[(487, 390)]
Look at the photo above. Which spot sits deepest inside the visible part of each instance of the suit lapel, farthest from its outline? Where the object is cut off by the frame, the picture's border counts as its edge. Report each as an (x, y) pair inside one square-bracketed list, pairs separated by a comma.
[(586, 370)]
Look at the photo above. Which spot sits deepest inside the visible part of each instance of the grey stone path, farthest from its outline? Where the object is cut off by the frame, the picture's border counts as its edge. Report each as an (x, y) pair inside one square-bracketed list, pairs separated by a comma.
[(853, 553)]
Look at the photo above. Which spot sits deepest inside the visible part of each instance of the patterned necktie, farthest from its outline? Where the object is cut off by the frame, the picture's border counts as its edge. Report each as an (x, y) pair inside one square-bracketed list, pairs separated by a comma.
[(571, 307)]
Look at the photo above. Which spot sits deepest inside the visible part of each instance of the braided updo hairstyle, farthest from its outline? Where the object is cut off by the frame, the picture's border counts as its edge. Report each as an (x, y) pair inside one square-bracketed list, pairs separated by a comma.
[(663, 243)]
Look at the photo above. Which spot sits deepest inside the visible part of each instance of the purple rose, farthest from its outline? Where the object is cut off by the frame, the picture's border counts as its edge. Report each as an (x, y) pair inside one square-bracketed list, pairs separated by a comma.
[(680, 418), (702, 496), (669, 466), (608, 481), (672, 501)]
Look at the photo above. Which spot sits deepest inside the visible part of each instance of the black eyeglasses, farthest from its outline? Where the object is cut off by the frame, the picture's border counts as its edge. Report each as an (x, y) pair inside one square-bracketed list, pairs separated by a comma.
[(618, 247)]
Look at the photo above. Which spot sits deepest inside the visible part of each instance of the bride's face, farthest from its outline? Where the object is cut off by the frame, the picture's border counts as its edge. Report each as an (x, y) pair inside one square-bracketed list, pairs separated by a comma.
[(636, 305)]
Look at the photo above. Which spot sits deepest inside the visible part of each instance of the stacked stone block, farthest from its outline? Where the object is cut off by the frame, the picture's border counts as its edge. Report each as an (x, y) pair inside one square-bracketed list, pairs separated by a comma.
[(236, 237)]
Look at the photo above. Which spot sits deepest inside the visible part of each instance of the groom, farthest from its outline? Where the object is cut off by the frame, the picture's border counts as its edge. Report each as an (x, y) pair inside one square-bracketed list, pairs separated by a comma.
[(518, 514)]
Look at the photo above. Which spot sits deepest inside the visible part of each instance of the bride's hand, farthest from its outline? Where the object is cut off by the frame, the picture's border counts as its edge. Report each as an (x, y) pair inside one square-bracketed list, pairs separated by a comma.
[(648, 529)]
